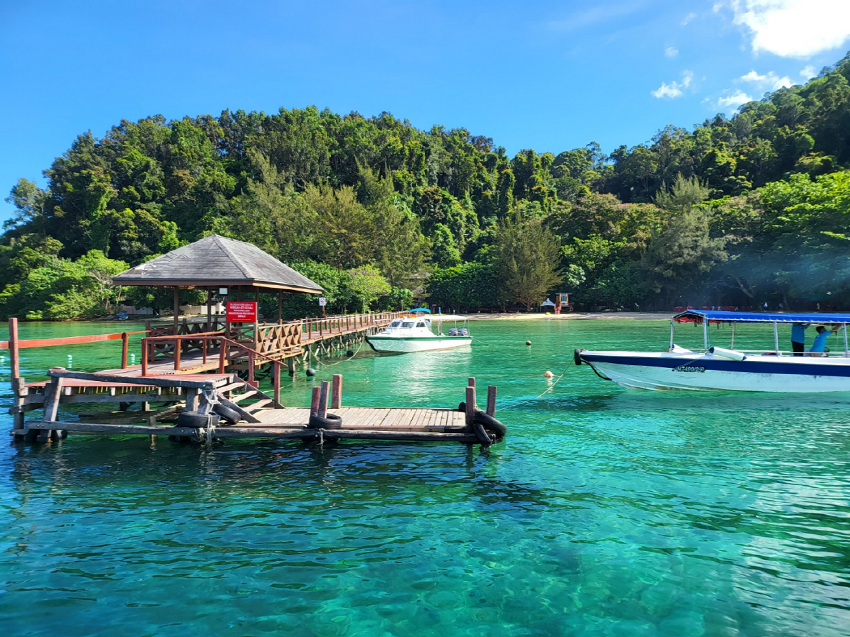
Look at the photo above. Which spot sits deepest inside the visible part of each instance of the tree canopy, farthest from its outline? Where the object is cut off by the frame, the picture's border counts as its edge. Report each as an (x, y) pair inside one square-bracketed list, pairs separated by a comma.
[(738, 210)]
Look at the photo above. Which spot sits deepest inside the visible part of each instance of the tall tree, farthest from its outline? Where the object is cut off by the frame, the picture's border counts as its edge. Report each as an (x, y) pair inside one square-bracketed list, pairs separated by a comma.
[(527, 260)]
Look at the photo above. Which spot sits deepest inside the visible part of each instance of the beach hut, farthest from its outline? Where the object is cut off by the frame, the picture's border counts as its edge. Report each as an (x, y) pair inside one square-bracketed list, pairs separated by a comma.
[(219, 265)]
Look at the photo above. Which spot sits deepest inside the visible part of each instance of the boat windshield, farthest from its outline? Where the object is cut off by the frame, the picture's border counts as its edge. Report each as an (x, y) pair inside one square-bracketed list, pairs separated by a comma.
[(407, 324), (420, 324), (395, 323)]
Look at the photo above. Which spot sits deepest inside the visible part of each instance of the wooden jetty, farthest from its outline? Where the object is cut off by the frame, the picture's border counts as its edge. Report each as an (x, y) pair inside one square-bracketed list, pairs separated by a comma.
[(259, 416), (197, 372)]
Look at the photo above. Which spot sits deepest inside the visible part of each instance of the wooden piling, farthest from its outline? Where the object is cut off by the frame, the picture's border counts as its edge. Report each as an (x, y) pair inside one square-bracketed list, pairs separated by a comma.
[(314, 402), (145, 354), (323, 399), (276, 382), (491, 400), (336, 393), (470, 404), (14, 352)]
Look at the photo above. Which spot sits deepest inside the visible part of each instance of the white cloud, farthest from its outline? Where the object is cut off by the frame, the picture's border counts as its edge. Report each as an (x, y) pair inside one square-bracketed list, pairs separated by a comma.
[(794, 28), (736, 99), (768, 82), (808, 72), (671, 51), (674, 89), (688, 18)]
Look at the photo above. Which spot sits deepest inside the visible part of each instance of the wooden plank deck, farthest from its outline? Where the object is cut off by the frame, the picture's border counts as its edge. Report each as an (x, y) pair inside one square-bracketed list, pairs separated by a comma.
[(369, 418)]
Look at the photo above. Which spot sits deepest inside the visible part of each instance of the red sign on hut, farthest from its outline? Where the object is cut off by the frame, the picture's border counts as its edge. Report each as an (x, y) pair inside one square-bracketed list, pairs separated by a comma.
[(241, 312)]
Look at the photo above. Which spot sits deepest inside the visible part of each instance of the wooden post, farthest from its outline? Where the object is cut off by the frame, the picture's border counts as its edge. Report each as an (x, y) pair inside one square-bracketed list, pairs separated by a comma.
[(52, 394), (491, 400), (176, 354), (145, 352), (276, 382), (336, 393), (323, 399), (209, 312), (176, 310), (314, 402), (471, 382), (250, 368), (222, 356), (205, 350), (125, 344), (14, 352), (279, 306), (470, 405)]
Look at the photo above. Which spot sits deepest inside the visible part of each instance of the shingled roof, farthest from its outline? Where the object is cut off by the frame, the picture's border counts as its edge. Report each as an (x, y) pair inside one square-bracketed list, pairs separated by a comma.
[(217, 261)]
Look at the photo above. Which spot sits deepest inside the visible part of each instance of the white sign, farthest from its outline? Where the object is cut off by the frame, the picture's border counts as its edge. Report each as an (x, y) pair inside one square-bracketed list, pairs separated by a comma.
[(322, 301)]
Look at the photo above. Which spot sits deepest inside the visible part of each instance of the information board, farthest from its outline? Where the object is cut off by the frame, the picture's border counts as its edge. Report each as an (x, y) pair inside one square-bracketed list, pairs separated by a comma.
[(241, 312), (322, 301)]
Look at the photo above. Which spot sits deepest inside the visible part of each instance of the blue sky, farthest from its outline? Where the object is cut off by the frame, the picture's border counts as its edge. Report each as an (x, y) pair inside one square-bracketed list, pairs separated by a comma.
[(545, 75)]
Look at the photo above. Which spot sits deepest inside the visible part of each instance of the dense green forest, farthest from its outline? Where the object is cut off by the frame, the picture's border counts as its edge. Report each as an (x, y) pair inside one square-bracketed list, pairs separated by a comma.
[(738, 211)]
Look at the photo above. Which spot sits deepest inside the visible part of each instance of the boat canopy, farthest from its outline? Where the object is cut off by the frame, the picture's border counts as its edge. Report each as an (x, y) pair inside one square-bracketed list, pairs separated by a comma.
[(420, 309), (719, 316)]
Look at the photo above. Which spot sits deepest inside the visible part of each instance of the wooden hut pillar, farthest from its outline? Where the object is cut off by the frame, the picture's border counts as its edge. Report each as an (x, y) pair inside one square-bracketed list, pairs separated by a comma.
[(257, 318), (209, 310), (176, 310), (279, 306)]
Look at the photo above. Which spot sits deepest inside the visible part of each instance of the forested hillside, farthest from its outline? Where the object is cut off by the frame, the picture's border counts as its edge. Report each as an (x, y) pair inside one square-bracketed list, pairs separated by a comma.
[(738, 211)]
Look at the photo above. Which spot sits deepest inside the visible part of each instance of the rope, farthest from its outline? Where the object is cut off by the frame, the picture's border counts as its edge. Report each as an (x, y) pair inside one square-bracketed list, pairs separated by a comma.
[(548, 389), (348, 358)]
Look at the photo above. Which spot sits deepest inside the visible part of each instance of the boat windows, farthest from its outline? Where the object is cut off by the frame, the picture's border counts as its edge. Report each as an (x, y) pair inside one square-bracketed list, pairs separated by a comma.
[(395, 323), (407, 324), (420, 324)]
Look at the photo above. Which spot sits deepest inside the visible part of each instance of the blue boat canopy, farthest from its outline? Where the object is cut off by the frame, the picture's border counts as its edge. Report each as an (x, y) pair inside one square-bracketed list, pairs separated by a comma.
[(421, 309), (719, 316)]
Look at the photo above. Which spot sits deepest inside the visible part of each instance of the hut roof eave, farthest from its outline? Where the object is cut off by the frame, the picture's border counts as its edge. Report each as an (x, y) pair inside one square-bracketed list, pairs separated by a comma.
[(208, 283)]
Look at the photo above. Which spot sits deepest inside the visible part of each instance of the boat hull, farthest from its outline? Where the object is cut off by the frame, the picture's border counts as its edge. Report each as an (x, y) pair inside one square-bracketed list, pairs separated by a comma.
[(706, 372), (406, 345)]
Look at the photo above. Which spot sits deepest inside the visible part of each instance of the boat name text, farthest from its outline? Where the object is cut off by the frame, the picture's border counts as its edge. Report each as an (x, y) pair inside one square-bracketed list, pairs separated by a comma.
[(688, 368)]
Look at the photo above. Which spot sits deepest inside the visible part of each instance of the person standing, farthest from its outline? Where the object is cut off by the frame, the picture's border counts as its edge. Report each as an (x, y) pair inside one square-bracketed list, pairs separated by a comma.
[(798, 338), (819, 344)]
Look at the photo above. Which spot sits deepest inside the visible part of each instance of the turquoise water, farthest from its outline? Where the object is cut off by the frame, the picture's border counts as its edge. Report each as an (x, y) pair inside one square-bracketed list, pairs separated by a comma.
[(605, 512)]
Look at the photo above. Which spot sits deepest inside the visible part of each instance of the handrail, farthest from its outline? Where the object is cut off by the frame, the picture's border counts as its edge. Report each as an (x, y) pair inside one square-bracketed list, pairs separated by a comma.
[(182, 337), (69, 340)]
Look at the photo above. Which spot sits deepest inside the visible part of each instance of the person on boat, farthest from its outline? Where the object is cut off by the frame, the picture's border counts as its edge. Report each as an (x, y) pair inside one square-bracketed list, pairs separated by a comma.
[(819, 346), (798, 338)]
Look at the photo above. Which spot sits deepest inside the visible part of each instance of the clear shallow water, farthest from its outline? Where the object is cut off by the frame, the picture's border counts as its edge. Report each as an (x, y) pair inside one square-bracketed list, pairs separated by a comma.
[(606, 511)]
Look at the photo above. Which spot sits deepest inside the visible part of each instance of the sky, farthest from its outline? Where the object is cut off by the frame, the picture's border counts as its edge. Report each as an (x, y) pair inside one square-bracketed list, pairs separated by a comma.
[(551, 76)]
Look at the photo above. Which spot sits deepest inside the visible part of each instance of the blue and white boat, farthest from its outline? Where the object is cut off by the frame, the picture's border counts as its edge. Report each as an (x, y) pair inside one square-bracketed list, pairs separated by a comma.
[(729, 369)]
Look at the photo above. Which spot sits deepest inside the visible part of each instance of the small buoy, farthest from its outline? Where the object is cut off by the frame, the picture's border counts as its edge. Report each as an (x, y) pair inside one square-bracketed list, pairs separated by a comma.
[(132, 358), (311, 371), (549, 374), (528, 342), (2, 359), (70, 357), (350, 353)]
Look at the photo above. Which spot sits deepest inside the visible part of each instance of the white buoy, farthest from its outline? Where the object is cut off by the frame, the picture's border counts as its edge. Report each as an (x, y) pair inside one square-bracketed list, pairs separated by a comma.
[(70, 357), (2, 359), (549, 374), (132, 358)]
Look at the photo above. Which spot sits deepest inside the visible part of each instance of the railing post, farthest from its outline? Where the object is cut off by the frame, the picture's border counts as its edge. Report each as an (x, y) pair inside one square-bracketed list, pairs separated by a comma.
[(14, 351), (176, 354), (276, 382), (125, 344), (205, 349), (222, 356), (251, 368), (145, 354)]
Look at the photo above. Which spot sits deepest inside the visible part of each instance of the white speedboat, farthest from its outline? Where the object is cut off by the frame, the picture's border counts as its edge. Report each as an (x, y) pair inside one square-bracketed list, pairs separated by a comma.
[(717, 368), (414, 333)]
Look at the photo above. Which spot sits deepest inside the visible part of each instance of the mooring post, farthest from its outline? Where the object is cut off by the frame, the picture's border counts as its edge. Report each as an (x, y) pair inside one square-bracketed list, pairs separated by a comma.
[(125, 344), (276, 382), (470, 405), (222, 356), (176, 354), (314, 402), (323, 399), (336, 394), (491, 400)]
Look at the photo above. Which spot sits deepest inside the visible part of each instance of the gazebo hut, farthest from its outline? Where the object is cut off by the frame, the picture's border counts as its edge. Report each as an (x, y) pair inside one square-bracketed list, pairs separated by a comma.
[(218, 264)]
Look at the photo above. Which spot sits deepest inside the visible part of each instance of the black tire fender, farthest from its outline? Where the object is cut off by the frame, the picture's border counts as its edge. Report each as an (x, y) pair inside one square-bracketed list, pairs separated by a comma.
[(490, 423), (196, 420), (461, 407), (481, 434), (227, 414), (577, 356), (331, 421)]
